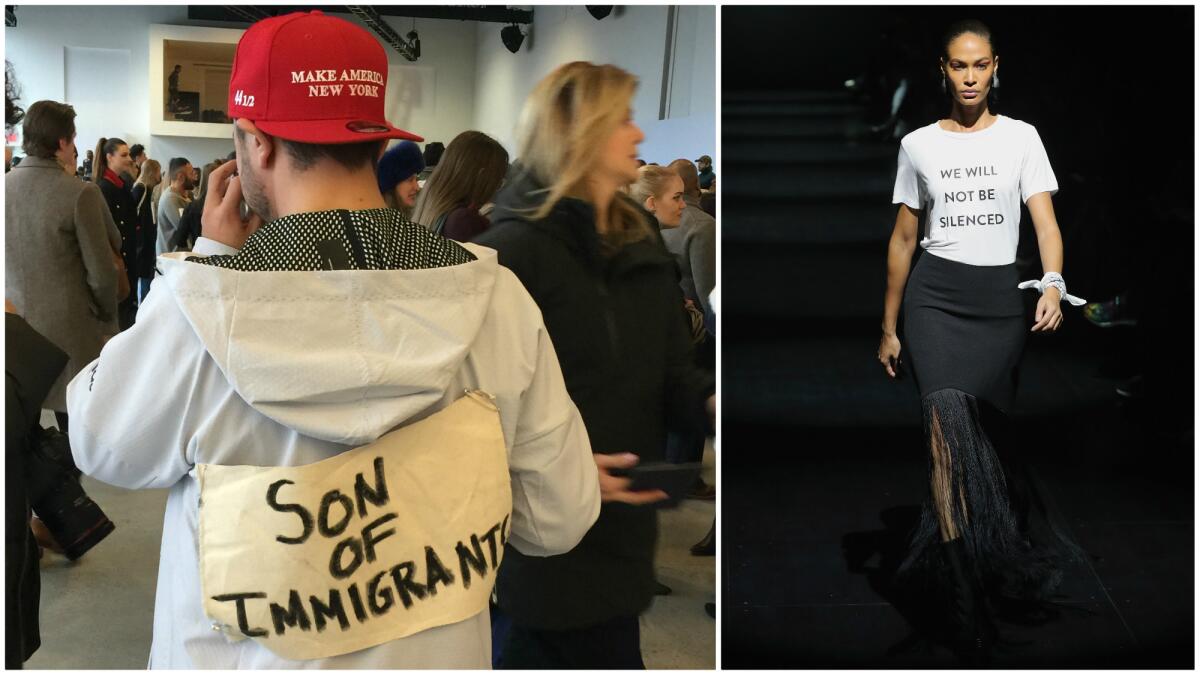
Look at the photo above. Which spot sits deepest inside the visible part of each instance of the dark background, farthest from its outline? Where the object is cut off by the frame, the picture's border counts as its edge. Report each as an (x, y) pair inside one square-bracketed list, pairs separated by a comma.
[(820, 452)]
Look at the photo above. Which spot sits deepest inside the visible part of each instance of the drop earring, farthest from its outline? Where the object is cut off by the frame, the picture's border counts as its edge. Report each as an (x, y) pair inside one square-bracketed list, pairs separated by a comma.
[(996, 80)]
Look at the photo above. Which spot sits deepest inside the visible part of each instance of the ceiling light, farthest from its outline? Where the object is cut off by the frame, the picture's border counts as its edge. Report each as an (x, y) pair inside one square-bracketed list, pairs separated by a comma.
[(512, 37)]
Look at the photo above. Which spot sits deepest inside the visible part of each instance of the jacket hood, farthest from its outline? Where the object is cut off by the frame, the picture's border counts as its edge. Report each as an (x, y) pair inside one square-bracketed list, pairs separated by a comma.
[(346, 355), (571, 219)]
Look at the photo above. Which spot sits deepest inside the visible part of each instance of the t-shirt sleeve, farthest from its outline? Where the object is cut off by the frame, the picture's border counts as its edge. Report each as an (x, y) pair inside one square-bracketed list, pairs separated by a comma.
[(908, 182), (1036, 174)]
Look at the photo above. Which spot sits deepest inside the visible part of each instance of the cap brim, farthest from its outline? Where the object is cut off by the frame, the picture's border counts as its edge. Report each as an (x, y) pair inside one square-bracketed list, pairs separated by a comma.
[(334, 132)]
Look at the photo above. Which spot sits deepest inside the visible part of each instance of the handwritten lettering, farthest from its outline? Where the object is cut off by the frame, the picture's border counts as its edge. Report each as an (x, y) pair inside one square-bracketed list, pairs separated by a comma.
[(378, 598)]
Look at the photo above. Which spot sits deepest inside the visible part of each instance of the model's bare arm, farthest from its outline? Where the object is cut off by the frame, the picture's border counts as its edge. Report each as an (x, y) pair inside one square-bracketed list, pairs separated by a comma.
[(900, 252), (1050, 247)]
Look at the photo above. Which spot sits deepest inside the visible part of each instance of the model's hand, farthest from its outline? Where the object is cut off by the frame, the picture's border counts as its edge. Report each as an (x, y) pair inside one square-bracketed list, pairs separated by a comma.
[(889, 353), (222, 218), (1049, 312), (616, 488)]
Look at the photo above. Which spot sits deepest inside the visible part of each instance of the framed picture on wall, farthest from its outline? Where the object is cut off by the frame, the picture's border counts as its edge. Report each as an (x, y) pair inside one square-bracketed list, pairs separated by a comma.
[(189, 75)]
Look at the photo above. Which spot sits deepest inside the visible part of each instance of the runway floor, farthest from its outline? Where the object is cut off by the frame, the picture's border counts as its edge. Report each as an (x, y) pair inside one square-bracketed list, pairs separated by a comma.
[(808, 528)]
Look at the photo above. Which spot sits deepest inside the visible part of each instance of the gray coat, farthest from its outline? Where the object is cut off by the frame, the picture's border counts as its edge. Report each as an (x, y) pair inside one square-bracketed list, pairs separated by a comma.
[(59, 270), (694, 245)]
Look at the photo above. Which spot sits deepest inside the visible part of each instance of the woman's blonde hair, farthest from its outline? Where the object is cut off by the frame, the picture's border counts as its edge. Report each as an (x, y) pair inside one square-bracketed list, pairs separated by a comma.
[(563, 130), (149, 166), (470, 172), (652, 182)]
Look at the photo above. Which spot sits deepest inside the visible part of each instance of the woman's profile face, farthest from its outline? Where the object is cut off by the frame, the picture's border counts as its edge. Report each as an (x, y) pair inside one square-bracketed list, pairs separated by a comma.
[(668, 206), (120, 161), (619, 160), (969, 65), (406, 191)]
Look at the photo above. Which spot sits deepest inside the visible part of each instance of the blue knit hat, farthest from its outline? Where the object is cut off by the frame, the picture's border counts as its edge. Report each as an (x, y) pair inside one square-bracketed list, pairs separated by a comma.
[(398, 163)]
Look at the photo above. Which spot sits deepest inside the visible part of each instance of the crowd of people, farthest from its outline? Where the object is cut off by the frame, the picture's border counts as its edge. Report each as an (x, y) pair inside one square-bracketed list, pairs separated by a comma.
[(318, 295)]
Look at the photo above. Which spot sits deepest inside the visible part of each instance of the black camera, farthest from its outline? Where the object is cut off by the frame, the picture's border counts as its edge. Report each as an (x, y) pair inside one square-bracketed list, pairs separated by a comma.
[(75, 521)]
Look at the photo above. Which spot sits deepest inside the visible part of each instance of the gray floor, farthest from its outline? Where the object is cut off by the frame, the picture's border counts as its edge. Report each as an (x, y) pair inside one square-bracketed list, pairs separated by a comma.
[(97, 612)]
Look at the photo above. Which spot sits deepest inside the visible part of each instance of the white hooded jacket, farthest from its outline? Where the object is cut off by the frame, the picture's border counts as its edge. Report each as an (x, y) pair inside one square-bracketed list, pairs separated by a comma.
[(281, 368)]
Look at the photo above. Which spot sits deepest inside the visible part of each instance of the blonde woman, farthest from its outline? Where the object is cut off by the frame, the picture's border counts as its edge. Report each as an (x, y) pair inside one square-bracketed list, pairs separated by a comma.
[(466, 178), (659, 190), (608, 293), (147, 223)]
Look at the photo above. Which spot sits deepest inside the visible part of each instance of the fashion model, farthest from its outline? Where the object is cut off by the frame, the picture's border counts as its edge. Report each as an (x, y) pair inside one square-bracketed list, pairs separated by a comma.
[(965, 178)]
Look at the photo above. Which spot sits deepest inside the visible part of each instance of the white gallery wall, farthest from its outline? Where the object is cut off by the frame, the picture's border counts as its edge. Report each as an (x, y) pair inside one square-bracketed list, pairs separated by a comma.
[(97, 59), (633, 37)]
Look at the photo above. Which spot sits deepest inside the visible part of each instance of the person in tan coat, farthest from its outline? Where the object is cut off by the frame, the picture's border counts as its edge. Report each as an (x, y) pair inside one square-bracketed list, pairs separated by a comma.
[(58, 236)]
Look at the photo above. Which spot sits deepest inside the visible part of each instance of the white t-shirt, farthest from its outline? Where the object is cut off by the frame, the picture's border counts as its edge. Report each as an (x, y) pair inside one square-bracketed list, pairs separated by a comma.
[(973, 185)]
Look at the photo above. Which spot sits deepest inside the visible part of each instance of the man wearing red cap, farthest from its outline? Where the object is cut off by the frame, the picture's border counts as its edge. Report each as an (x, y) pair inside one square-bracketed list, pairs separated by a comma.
[(336, 500)]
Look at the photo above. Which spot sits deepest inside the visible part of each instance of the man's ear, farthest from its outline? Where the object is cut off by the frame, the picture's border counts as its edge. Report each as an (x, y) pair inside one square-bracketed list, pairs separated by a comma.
[(260, 148)]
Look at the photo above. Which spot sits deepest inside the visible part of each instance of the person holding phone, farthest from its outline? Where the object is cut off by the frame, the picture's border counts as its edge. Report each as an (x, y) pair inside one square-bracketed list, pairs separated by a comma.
[(966, 176), (609, 293), (311, 328)]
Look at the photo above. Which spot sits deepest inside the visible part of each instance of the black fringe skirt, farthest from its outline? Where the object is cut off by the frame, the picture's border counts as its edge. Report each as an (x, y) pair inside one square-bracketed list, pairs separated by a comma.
[(964, 331)]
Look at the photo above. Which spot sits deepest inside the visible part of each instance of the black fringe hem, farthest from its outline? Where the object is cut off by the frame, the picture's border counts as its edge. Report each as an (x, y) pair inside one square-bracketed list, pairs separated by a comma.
[(1015, 557)]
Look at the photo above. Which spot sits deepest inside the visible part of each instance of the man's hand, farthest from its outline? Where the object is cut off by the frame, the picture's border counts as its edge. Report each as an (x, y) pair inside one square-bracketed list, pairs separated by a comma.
[(222, 218), (615, 488)]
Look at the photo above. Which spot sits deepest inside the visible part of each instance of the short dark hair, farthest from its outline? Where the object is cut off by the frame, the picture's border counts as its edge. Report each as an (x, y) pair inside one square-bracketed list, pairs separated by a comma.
[(136, 150), (350, 155), (45, 124), (174, 166)]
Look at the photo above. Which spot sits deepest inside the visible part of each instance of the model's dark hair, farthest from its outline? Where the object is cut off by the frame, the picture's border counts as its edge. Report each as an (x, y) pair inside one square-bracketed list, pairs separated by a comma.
[(957, 29), (13, 113), (45, 124), (104, 148), (352, 156)]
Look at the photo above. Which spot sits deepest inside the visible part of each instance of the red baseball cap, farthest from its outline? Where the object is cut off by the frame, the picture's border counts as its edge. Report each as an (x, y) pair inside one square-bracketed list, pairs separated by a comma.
[(312, 78)]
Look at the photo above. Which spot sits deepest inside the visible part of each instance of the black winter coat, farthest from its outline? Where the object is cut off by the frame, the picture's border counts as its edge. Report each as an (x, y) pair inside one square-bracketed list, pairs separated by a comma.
[(31, 365), (147, 230), (124, 212), (622, 338)]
